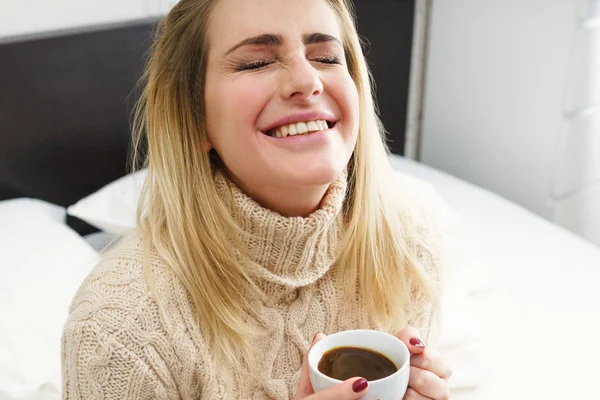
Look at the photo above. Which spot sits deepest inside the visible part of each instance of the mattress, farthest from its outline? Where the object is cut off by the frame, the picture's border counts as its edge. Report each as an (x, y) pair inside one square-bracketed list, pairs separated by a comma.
[(540, 315), (531, 286)]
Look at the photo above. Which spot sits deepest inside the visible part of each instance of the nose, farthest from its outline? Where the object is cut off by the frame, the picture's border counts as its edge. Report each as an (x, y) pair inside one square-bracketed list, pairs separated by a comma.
[(301, 80)]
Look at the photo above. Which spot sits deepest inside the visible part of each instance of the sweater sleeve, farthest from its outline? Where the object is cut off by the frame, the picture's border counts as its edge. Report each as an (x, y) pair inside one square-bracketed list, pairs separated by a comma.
[(96, 365)]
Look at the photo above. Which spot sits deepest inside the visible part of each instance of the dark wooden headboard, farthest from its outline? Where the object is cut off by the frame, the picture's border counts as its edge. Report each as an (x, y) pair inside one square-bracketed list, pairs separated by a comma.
[(66, 100), (65, 107)]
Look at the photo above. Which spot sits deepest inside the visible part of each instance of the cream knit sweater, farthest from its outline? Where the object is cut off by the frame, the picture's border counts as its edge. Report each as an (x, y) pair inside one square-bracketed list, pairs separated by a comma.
[(120, 342)]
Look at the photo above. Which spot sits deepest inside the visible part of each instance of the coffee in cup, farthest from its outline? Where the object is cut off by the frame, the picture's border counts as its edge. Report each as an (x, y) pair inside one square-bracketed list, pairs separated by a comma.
[(346, 362), (377, 347)]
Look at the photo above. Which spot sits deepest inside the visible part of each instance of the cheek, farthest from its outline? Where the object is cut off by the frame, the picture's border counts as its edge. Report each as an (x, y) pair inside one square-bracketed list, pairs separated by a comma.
[(351, 95), (347, 99), (240, 104)]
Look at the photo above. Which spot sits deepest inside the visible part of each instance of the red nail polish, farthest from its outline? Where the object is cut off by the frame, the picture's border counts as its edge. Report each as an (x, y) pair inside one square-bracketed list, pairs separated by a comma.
[(416, 342), (315, 337), (360, 385)]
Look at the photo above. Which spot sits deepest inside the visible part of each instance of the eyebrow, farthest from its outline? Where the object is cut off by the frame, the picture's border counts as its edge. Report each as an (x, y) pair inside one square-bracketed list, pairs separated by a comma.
[(314, 38), (270, 39)]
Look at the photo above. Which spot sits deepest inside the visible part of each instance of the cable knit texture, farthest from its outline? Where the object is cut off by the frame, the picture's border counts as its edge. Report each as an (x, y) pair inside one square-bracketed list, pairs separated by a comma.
[(120, 342)]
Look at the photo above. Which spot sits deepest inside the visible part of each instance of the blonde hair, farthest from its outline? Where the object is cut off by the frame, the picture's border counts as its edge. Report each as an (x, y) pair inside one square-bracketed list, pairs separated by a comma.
[(386, 248)]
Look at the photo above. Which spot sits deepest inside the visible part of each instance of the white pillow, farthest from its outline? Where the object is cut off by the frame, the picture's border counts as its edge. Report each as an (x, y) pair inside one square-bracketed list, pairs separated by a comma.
[(32, 207), (113, 208), (42, 264)]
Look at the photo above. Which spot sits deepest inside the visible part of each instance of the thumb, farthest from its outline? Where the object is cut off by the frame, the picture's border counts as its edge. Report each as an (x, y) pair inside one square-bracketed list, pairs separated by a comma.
[(412, 339), (305, 388), (353, 388)]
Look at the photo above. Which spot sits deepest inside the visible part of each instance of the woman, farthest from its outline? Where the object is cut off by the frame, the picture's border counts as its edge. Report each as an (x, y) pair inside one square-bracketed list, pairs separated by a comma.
[(269, 217)]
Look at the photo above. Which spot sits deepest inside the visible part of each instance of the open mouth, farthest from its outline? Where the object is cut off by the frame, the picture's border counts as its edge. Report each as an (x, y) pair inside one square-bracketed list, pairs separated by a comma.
[(300, 128)]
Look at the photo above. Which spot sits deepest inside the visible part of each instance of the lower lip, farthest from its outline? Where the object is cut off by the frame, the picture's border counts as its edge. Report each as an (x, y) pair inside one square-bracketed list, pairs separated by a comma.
[(302, 140)]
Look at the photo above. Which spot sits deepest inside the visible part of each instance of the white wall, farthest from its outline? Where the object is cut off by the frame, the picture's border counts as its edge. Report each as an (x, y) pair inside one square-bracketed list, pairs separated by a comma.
[(575, 195), (494, 93), (24, 17), (512, 103)]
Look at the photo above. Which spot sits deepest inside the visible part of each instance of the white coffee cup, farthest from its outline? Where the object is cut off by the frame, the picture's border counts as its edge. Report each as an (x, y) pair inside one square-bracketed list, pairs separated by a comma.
[(392, 387)]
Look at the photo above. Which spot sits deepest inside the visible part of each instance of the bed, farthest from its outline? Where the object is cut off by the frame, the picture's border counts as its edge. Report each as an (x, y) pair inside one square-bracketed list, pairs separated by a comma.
[(525, 291), (539, 308)]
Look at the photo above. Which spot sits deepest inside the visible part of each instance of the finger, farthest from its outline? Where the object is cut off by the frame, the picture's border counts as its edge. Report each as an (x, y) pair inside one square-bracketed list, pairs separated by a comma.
[(412, 339), (428, 384), (432, 360), (305, 388), (351, 389), (412, 394)]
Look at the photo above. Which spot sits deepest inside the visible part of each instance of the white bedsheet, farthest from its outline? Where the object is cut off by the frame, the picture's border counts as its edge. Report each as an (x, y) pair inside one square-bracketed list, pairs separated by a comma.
[(540, 317), (42, 263), (539, 311)]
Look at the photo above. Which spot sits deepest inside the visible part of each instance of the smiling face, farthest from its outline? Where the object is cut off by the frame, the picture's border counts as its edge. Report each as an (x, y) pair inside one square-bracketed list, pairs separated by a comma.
[(281, 107)]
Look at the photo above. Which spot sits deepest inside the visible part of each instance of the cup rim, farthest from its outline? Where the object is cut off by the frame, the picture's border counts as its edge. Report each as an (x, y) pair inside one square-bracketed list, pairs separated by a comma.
[(404, 366)]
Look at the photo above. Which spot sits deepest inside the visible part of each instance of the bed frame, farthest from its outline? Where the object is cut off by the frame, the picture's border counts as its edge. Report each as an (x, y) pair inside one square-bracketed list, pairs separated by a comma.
[(65, 107), (66, 100)]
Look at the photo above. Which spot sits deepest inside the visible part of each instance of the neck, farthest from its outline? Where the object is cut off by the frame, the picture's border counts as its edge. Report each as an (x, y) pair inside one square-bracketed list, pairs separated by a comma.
[(288, 251), (286, 201)]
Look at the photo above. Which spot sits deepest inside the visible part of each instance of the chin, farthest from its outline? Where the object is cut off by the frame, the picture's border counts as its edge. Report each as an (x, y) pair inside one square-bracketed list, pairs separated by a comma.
[(323, 175)]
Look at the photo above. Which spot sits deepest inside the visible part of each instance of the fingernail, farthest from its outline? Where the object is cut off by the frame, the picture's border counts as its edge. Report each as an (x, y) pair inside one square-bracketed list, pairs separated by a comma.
[(359, 385), (416, 342)]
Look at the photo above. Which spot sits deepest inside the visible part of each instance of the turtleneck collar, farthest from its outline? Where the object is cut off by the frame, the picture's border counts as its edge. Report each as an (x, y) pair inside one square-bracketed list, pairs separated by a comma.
[(289, 251)]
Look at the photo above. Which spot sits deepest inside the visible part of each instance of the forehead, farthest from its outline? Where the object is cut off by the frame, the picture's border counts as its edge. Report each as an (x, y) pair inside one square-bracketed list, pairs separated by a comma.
[(236, 20)]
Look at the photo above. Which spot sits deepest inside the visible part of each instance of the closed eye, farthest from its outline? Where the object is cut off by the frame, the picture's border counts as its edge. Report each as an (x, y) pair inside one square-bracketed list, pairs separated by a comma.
[(254, 65), (328, 60), (260, 64)]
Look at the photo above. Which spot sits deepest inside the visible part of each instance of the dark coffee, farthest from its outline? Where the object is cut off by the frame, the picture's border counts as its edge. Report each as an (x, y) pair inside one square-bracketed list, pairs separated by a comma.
[(347, 362)]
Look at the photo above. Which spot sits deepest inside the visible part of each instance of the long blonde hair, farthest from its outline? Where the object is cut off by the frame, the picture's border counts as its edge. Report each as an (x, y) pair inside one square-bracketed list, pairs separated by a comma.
[(386, 250)]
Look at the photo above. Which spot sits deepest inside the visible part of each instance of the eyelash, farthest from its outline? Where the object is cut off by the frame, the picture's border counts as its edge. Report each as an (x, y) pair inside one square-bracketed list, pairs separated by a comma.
[(329, 60), (256, 65)]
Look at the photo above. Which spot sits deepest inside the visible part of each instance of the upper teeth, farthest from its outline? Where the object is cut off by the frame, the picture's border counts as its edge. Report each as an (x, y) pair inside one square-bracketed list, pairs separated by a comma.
[(299, 128)]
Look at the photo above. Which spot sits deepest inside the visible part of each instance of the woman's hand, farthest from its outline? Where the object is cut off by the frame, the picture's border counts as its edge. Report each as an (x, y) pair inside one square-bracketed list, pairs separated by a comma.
[(350, 389), (429, 373)]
